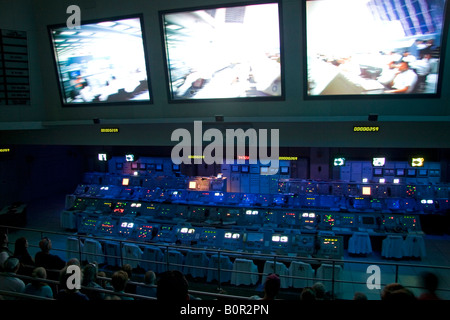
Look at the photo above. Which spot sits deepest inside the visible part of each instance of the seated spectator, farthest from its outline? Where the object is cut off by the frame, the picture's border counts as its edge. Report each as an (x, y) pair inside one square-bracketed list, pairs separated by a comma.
[(47, 260), (130, 287), (90, 281), (396, 292), (359, 296), (69, 294), (8, 279), (25, 259), (3, 257), (172, 286), (73, 262), (430, 283), (320, 291), (38, 287), (102, 282), (4, 244), (271, 288), (307, 294), (149, 289), (119, 281)]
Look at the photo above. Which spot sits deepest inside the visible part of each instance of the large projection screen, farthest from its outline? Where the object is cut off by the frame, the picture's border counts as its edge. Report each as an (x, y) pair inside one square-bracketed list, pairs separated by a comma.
[(103, 62), (367, 48), (224, 52)]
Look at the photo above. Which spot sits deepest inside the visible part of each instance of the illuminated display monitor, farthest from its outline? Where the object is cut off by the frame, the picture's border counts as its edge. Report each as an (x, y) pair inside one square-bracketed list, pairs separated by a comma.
[(234, 168), (378, 162), (377, 171), (127, 225), (134, 165), (374, 48), (279, 238), (125, 181), (366, 191), (255, 237), (245, 169), (102, 62), (411, 172), (284, 170), (224, 52), (102, 157), (417, 162), (192, 184), (232, 235), (400, 172), (422, 172), (338, 162), (129, 158)]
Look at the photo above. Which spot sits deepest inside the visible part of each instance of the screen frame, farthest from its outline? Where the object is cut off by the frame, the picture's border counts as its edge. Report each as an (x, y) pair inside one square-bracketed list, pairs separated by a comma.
[(170, 96), (437, 95), (55, 59)]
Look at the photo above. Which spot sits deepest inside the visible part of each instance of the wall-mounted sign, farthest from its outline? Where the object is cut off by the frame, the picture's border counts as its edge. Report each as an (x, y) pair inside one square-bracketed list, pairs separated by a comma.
[(14, 72)]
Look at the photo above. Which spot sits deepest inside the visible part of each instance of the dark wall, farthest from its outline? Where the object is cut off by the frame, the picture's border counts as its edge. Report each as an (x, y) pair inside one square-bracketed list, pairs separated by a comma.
[(31, 172)]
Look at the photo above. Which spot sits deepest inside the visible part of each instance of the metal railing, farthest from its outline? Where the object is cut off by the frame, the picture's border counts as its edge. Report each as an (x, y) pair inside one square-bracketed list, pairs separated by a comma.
[(334, 280)]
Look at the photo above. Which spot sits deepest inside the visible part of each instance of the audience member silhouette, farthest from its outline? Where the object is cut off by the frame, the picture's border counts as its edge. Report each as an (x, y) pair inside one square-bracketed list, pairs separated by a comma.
[(430, 284), (25, 259), (130, 287), (396, 292), (119, 281), (359, 296), (67, 293), (271, 287), (149, 289), (172, 286), (4, 244), (307, 294), (320, 291), (90, 281), (8, 279), (38, 287), (48, 260)]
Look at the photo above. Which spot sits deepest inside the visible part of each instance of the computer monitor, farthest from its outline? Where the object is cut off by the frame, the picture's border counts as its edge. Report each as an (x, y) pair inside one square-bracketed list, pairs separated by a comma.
[(378, 161), (417, 162), (284, 170)]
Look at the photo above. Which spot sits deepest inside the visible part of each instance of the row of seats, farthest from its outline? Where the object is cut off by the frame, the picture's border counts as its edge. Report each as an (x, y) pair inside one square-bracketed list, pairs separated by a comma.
[(198, 264)]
